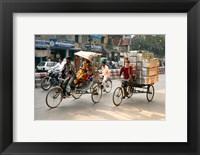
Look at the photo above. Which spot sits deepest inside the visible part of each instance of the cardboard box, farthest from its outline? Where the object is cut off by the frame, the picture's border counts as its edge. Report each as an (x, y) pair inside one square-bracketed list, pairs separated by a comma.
[(147, 80), (139, 65), (139, 56), (133, 54), (150, 79), (132, 59), (149, 71), (138, 74), (149, 63), (147, 55)]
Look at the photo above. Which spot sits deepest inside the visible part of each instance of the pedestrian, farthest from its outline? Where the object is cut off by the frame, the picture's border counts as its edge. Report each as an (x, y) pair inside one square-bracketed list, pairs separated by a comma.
[(106, 74), (127, 70)]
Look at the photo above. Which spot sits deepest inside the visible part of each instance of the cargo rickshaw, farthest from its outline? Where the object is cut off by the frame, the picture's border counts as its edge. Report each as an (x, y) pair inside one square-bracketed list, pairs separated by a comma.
[(131, 88), (89, 85), (143, 81)]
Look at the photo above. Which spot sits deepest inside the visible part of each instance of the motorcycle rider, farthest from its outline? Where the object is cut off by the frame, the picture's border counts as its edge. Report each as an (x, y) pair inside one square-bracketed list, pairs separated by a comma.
[(58, 67), (68, 74)]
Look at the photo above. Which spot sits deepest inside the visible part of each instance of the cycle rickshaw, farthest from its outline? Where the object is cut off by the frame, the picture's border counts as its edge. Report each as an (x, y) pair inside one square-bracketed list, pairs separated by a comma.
[(91, 85), (133, 87)]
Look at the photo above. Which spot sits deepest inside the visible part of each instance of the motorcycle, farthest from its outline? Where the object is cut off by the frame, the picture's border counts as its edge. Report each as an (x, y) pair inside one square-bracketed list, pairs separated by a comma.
[(52, 79)]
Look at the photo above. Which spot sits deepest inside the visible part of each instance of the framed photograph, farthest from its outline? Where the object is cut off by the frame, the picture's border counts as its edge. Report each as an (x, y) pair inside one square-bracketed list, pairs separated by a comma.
[(48, 108)]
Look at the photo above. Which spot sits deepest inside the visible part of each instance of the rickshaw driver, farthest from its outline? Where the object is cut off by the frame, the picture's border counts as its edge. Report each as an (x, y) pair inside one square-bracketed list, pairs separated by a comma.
[(68, 74), (128, 74), (106, 74)]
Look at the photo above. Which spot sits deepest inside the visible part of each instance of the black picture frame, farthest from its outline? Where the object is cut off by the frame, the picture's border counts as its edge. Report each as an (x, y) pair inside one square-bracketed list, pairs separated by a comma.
[(8, 7)]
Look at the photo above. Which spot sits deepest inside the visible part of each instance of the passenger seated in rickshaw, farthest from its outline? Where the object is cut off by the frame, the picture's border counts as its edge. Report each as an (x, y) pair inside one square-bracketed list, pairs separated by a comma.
[(88, 71), (81, 75)]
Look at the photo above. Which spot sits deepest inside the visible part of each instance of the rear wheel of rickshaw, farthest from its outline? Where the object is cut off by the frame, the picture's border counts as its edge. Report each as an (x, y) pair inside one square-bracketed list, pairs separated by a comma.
[(108, 86), (150, 92), (96, 94), (54, 97), (118, 96), (76, 93), (130, 91)]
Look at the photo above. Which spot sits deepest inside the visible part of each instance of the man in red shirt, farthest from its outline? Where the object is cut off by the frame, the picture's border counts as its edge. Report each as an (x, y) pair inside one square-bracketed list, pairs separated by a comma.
[(128, 74)]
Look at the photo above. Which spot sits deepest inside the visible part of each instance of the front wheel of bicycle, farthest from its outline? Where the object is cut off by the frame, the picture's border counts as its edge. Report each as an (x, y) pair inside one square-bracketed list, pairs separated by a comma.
[(54, 97), (117, 96), (96, 94)]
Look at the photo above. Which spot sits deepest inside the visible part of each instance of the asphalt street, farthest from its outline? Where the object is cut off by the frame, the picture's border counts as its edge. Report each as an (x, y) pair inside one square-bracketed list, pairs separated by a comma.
[(135, 108)]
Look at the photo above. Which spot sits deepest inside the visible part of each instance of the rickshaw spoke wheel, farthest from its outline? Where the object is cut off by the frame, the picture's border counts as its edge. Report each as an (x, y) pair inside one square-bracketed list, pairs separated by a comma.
[(118, 96), (76, 93), (108, 86), (54, 97), (96, 94), (130, 90), (150, 92)]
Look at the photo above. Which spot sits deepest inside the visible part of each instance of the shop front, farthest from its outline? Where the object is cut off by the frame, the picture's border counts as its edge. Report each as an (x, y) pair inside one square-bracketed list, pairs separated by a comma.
[(52, 49)]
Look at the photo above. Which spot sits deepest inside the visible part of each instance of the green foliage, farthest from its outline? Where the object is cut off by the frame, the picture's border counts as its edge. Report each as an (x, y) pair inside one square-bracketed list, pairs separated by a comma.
[(151, 43)]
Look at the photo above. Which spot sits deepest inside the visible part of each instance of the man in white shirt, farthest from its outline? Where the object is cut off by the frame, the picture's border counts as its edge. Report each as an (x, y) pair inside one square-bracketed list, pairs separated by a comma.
[(59, 66), (106, 73)]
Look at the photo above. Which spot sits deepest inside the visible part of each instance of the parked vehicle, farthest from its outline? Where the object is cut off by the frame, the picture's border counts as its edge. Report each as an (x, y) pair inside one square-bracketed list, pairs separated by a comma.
[(52, 78), (44, 66)]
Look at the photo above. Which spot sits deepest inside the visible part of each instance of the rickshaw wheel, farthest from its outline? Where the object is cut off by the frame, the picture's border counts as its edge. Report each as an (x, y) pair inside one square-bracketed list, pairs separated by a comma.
[(150, 92), (130, 90), (76, 93), (54, 97), (96, 94), (117, 96), (108, 86)]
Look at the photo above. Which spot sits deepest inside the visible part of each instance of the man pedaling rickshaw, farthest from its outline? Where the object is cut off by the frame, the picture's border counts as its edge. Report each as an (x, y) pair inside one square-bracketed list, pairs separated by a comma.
[(128, 74), (68, 74)]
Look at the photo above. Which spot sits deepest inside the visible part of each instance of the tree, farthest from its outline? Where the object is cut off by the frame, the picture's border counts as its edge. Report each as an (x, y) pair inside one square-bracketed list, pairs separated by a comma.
[(151, 43)]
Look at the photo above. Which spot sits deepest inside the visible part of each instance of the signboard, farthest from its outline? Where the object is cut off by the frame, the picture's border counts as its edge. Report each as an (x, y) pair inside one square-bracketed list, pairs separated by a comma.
[(126, 40), (96, 36), (53, 43), (41, 43), (94, 47)]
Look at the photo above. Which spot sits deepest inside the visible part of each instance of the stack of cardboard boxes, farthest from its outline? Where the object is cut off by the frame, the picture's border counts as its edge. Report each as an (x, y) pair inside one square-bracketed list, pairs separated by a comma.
[(146, 68), (133, 60)]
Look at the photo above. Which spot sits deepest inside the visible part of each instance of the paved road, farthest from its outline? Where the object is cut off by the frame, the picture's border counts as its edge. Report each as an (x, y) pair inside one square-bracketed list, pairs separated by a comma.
[(135, 108)]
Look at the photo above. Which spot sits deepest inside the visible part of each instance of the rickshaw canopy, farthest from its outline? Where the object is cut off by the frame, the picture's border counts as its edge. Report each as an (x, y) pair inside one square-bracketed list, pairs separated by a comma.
[(87, 55)]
